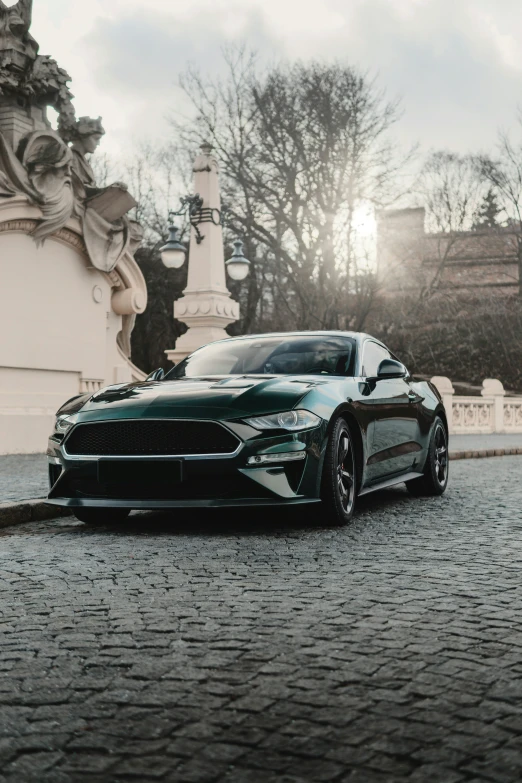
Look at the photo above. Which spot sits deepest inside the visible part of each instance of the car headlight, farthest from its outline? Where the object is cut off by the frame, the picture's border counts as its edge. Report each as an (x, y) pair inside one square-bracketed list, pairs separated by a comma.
[(64, 423), (287, 420)]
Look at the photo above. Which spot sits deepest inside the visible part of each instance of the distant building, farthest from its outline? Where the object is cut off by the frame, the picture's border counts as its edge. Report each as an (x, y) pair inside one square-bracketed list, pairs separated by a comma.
[(480, 262)]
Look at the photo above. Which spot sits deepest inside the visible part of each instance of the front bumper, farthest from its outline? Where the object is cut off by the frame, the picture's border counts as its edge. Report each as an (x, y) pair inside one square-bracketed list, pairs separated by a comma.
[(211, 481)]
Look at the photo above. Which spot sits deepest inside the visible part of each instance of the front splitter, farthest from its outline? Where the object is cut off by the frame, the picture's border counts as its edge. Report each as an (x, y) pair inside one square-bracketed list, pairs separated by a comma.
[(150, 505)]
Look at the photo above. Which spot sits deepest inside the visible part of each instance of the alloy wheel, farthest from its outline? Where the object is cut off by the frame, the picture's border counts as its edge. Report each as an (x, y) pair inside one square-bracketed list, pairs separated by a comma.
[(345, 471), (441, 455)]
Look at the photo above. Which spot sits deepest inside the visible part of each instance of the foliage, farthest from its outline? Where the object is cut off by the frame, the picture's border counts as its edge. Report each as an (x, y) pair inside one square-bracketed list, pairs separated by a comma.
[(156, 330), (488, 212), (467, 338)]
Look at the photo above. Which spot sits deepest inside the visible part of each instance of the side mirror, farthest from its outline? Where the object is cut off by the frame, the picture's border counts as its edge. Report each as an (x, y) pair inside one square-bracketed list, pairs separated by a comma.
[(390, 368), (157, 375)]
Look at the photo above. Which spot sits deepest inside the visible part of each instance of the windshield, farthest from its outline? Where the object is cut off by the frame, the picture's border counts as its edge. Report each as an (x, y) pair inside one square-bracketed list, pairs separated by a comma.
[(319, 355)]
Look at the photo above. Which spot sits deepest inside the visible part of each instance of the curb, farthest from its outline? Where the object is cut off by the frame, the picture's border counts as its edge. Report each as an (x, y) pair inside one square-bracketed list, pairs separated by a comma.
[(29, 511), (38, 510), (482, 453)]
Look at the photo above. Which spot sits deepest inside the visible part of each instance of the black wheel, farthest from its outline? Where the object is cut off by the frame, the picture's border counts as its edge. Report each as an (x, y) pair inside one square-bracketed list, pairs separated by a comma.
[(435, 478), (101, 516), (339, 478)]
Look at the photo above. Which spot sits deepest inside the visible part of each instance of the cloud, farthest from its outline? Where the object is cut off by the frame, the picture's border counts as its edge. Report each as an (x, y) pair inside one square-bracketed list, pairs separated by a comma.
[(456, 63), (137, 58), (457, 77)]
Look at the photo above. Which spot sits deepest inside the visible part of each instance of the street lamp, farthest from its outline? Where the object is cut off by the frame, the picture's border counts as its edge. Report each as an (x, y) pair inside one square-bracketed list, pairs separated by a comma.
[(237, 265), (173, 253)]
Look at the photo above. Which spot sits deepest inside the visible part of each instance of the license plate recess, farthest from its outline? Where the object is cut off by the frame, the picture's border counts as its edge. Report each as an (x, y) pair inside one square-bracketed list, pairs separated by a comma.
[(155, 471)]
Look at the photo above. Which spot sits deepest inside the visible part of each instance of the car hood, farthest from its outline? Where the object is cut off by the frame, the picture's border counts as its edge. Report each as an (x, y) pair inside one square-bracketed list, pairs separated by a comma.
[(210, 397)]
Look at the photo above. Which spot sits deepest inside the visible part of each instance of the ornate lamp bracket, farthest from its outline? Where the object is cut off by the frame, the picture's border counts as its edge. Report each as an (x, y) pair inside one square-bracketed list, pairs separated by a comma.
[(197, 214)]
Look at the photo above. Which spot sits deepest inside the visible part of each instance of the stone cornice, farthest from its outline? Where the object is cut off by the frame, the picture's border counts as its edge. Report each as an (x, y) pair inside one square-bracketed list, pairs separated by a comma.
[(27, 225), (126, 274)]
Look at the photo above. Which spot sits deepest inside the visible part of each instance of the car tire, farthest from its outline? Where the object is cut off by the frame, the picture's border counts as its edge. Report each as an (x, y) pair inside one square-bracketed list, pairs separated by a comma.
[(338, 486), (101, 516), (435, 478)]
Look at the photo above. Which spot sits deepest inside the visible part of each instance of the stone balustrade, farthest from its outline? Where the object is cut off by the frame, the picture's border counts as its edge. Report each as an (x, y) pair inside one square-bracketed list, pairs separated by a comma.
[(90, 386), (492, 412)]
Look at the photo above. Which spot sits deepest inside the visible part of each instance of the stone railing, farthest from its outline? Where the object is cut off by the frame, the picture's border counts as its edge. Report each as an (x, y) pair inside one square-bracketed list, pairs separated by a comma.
[(492, 412), (90, 385)]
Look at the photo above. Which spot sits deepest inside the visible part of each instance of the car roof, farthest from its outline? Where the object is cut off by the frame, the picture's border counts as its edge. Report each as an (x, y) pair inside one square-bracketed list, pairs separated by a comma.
[(309, 333)]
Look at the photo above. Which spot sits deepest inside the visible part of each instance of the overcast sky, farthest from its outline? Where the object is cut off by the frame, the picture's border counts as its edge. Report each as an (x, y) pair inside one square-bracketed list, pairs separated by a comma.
[(457, 64)]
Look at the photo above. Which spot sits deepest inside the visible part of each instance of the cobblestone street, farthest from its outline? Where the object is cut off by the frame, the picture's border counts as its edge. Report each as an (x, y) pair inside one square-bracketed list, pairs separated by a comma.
[(243, 649)]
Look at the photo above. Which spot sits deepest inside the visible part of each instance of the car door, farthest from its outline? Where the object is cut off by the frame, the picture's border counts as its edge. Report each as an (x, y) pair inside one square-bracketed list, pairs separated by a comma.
[(394, 440)]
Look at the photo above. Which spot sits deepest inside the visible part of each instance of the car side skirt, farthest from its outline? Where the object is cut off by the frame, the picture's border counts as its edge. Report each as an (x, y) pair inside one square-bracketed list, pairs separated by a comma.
[(391, 482)]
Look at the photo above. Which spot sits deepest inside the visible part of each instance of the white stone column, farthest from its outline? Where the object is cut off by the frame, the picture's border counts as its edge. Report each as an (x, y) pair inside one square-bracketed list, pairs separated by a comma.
[(491, 387), (206, 306)]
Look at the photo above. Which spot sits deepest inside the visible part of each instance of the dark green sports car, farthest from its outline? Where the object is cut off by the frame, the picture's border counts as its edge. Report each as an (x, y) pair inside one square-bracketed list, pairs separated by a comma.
[(275, 419)]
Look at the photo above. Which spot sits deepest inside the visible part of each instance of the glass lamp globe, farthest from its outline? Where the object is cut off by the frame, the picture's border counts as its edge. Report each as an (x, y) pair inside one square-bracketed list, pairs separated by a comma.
[(173, 253), (237, 265)]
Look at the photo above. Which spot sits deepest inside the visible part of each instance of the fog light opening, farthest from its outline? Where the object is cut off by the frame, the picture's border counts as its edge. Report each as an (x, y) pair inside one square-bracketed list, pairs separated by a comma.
[(286, 456)]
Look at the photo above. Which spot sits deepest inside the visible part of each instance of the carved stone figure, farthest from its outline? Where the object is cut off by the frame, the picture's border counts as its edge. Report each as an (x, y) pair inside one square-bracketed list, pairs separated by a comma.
[(42, 170), (108, 233), (86, 137), (48, 162)]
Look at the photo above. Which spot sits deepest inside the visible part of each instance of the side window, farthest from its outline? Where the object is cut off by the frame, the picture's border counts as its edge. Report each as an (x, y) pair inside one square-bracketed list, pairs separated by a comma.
[(373, 355)]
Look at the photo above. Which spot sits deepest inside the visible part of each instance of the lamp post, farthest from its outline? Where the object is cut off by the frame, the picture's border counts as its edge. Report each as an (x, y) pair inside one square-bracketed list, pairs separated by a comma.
[(206, 306)]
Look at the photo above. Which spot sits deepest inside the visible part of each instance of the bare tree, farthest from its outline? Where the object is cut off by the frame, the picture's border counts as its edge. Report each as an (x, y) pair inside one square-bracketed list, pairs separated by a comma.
[(503, 172), (452, 190), (302, 147), (103, 166)]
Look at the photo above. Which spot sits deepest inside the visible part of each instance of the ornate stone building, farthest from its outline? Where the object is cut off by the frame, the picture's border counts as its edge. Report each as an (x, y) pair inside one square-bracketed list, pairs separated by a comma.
[(482, 262), (70, 288)]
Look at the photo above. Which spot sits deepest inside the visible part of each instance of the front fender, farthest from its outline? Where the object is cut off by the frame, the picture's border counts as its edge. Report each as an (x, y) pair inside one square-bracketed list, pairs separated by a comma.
[(347, 412)]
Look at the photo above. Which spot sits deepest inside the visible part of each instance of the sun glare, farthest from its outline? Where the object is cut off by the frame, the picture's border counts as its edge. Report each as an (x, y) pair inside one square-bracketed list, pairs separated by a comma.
[(364, 223)]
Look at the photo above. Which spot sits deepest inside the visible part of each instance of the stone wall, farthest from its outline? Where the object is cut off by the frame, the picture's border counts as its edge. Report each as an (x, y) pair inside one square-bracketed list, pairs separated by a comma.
[(59, 324), (409, 258)]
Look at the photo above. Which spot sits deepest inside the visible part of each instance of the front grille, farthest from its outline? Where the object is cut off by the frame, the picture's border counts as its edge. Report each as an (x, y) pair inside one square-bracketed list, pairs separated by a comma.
[(142, 437)]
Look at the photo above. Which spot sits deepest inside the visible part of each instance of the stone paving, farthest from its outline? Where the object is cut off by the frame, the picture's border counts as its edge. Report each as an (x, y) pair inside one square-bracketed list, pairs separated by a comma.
[(484, 442), (197, 647), (23, 477)]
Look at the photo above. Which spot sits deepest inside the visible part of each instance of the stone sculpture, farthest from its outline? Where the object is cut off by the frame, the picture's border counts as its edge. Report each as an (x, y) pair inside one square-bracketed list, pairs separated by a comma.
[(29, 82), (52, 168), (16, 42)]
